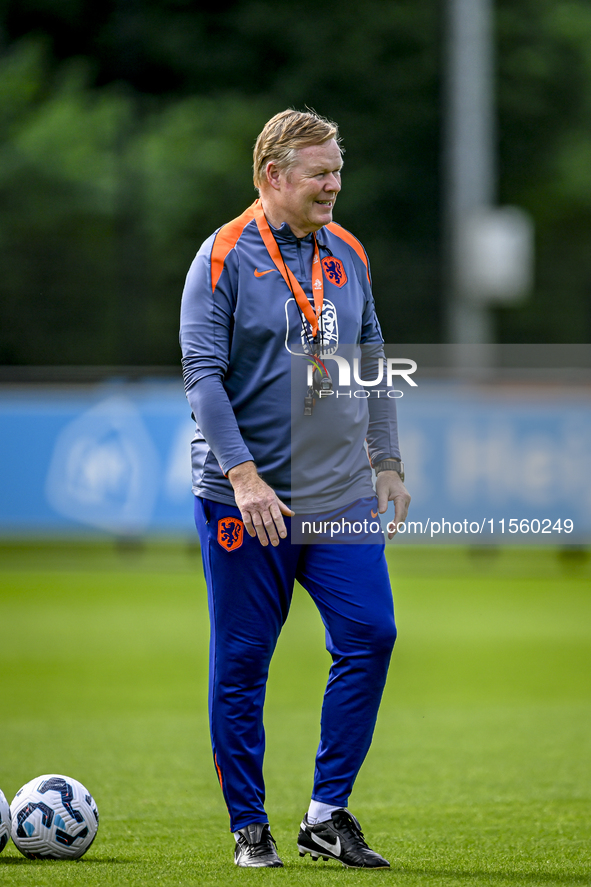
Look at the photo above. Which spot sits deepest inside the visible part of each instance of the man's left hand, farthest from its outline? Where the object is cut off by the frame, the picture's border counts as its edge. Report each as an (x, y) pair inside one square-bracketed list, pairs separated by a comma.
[(389, 488)]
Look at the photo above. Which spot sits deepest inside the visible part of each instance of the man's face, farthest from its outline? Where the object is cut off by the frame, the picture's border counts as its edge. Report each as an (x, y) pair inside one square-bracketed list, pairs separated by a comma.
[(307, 193)]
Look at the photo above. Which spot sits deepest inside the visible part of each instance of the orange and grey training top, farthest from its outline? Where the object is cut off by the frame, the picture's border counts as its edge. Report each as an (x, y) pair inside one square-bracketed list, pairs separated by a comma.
[(247, 346)]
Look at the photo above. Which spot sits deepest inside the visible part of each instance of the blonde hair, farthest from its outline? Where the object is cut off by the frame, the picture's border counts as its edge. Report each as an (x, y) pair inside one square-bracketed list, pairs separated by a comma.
[(284, 134)]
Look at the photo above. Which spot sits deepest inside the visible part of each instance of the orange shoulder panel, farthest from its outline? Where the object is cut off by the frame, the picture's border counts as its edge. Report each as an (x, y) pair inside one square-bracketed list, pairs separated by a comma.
[(345, 235), (226, 239)]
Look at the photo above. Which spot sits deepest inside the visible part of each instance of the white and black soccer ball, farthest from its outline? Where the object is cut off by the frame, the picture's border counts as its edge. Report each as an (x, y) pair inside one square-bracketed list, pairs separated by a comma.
[(53, 817), (5, 821)]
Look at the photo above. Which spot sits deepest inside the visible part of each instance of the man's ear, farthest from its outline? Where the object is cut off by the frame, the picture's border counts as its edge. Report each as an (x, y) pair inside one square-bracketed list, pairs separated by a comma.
[(273, 175)]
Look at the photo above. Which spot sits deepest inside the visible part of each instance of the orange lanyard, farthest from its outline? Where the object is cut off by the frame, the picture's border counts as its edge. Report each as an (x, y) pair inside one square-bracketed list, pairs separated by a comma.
[(311, 314)]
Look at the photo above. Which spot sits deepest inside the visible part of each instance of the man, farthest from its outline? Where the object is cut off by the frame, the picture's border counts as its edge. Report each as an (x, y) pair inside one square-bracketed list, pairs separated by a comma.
[(262, 304)]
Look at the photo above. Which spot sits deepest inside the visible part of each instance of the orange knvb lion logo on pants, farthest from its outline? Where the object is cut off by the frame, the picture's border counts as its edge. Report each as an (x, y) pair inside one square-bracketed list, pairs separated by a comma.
[(230, 533)]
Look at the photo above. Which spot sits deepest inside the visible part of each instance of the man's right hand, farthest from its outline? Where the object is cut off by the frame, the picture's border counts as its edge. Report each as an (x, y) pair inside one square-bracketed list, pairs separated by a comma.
[(262, 511)]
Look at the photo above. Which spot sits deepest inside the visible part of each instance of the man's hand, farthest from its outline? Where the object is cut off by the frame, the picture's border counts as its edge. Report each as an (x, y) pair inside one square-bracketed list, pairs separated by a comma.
[(262, 511), (389, 487)]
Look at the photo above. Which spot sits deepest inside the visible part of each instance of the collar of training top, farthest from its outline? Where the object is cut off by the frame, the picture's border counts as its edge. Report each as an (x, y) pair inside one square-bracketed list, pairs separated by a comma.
[(285, 233)]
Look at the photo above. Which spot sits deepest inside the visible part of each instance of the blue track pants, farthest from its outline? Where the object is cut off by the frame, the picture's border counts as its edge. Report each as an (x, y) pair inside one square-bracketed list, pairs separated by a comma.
[(249, 591)]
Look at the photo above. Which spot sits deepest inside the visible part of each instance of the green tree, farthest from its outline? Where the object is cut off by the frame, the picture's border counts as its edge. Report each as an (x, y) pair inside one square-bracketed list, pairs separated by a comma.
[(544, 97), (126, 131)]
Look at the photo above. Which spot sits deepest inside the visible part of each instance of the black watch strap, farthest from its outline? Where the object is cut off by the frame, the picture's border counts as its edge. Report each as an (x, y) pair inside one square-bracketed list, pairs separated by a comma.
[(390, 465)]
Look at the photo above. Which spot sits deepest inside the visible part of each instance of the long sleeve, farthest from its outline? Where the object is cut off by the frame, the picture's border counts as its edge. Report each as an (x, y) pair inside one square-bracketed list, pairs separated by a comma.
[(245, 379), (382, 432), (206, 325)]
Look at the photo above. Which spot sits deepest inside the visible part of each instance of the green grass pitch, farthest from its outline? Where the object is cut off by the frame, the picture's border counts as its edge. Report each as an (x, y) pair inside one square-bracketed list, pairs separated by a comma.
[(480, 768)]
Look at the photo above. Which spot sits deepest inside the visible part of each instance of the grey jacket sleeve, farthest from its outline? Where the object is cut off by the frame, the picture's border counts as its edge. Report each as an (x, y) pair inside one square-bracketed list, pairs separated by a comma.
[(205, 336)]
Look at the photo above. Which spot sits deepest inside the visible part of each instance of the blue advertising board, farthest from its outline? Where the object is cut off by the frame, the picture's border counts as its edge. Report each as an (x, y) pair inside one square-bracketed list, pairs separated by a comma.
[(112, 458), (497, 464), (484, 463)]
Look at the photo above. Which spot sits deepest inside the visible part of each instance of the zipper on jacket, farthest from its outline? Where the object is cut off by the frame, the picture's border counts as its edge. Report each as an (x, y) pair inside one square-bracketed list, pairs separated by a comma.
[(302, 269)]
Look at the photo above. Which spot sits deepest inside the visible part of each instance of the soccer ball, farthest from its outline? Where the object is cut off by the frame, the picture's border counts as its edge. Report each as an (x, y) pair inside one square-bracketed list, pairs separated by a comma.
[(5, 821), (53, 817)]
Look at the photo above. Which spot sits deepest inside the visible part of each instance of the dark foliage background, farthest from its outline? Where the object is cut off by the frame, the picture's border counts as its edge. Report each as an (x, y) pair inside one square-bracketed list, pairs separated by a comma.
[(126, 131)]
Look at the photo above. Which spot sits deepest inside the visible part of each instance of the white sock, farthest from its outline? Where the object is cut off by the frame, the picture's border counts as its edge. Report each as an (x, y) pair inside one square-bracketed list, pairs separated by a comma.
[(319, 812)]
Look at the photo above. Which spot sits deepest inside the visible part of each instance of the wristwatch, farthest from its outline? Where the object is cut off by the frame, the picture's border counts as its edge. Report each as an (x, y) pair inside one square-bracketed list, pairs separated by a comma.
[(390, 465)]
